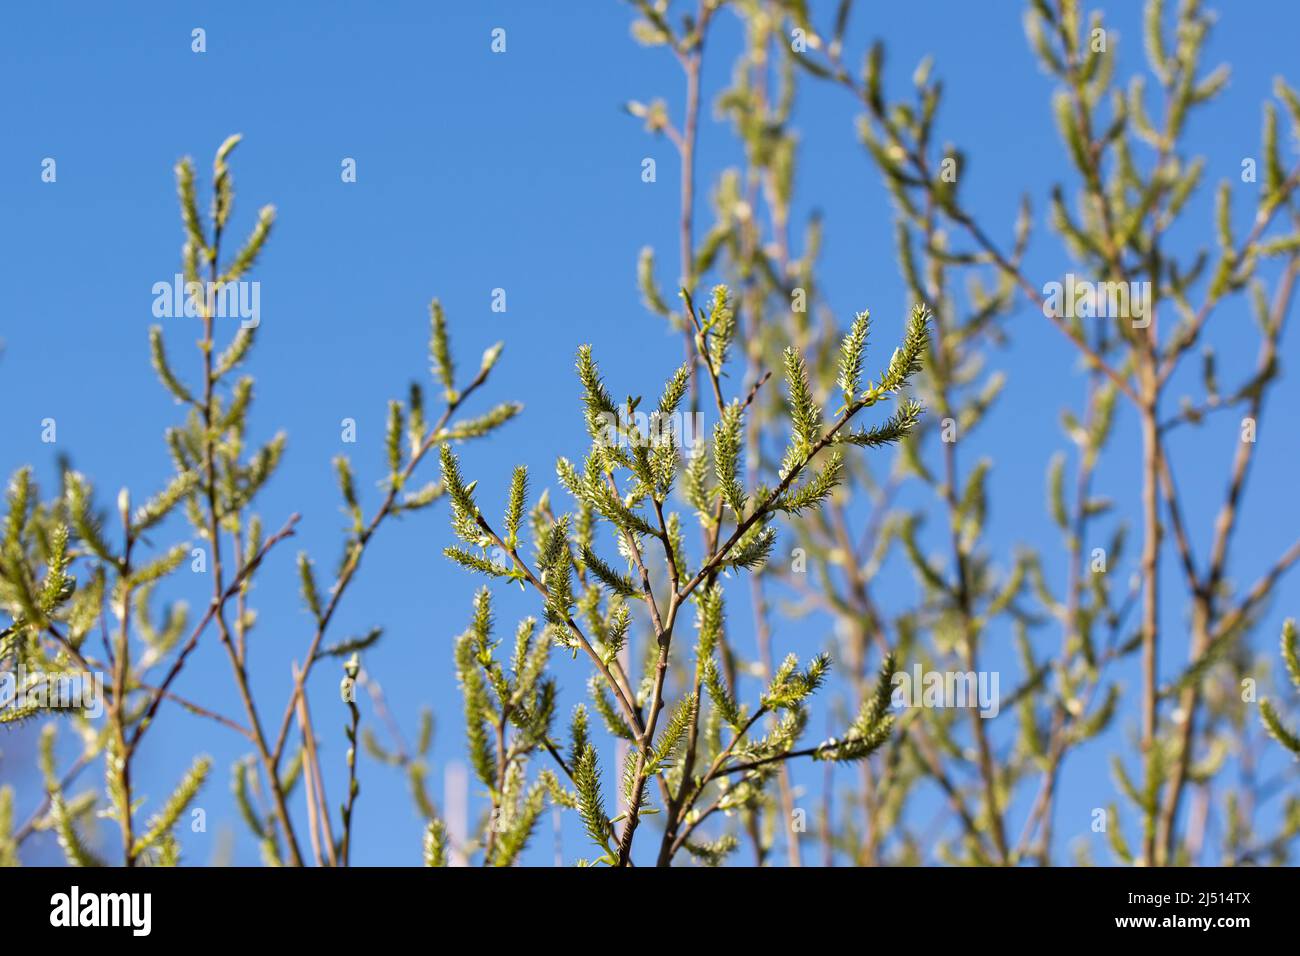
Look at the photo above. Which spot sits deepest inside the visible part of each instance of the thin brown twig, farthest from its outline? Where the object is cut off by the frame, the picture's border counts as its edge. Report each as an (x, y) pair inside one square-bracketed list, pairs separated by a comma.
[(353, 562)]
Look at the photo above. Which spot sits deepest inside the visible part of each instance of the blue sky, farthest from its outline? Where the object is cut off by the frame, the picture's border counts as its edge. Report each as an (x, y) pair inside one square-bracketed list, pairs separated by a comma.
[(518, 171)]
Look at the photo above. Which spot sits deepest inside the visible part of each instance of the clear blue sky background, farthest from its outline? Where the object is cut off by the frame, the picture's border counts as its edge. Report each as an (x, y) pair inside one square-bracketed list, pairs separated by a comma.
[(518, 171)]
